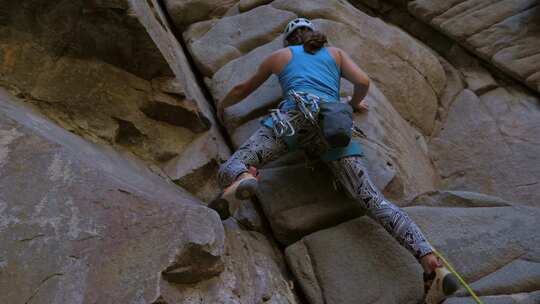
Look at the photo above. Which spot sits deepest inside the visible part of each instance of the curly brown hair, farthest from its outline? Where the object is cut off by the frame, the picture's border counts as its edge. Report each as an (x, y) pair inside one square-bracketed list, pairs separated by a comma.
[(312, 40)]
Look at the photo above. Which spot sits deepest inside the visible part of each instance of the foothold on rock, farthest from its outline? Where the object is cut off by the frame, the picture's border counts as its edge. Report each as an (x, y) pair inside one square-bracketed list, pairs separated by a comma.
[(193, 264), (441, 198), (177, 115), (127, 133)]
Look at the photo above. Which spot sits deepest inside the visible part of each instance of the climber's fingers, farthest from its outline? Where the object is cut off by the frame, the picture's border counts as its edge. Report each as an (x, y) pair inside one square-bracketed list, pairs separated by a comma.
[(364, 105)]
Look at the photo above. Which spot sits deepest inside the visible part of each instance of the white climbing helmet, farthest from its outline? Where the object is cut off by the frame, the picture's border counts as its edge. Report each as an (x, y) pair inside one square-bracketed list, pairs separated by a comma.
[(294, 24)]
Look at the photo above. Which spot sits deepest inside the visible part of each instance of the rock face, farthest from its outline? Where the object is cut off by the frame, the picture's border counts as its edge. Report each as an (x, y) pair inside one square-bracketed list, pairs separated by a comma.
[(99, 84), (253, 274), (111, 225), (230, 37), (428, 93), (505, 33), (118, 215), (97, 225), (113, 228), (520, 298), (106, 80), (488, 144), (298, 201), (358, 262), (104, 29), (485, 139), (184, 13)]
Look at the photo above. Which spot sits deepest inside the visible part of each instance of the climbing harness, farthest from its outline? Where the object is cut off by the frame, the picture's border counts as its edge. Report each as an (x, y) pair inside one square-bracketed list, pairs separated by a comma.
[(461, 280), (281, 125), (307, 104)]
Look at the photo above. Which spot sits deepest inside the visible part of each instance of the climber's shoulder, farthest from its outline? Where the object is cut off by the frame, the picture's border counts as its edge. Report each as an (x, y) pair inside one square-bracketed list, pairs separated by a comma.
[(277, 60), (337, 54)]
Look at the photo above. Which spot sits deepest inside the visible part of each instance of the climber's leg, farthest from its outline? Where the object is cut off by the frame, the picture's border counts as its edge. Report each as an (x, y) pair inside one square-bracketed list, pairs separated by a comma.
[(438, 281), (353, 176), (262, 147), (238, 174)]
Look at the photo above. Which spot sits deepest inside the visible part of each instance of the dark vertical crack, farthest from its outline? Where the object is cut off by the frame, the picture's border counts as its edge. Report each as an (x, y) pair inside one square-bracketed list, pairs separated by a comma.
[(198, 76), (267, 229)]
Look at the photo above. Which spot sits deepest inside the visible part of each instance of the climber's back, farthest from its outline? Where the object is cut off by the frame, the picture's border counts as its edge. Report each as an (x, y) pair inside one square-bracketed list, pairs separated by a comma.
[(316, 73)]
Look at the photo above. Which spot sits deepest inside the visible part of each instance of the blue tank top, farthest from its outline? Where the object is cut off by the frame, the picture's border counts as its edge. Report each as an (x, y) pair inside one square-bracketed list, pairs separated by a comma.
[(316, 73)]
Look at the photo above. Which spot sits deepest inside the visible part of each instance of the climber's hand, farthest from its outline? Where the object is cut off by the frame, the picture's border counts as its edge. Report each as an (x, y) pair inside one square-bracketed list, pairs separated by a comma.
[(361, 106)]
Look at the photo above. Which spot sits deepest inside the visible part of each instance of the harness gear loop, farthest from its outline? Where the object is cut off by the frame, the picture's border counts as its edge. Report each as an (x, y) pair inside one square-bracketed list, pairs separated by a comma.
[(302, 103), (308, 107), (311, 113), (281, 125)]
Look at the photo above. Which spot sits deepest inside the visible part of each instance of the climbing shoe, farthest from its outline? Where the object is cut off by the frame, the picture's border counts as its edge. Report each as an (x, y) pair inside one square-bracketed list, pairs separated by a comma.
[(438, 285), (231, 198)]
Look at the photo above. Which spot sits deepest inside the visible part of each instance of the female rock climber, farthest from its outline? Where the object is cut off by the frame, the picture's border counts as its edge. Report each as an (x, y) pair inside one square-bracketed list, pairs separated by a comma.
[(309, 75)]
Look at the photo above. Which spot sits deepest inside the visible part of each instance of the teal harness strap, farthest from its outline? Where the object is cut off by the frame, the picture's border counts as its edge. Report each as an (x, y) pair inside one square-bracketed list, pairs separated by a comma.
[(307, 105), (353, 149), (291, 142)]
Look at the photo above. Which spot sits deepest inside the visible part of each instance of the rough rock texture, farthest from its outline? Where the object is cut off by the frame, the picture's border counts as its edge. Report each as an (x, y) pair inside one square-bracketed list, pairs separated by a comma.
[(508, 156), (184, 13), (440, 198), (80, 223), (490, 144), (518, 298), (505, 33), (99, 28), (299, 201), (100, 75), (111, 225), (524, 275), (427, 92), (233, 36), (194, 167), (117, 232), (358, 262), (254, 273), (355, 262)]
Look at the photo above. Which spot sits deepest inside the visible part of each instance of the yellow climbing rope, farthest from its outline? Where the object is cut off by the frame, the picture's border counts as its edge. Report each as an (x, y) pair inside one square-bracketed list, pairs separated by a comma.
[(452, 270)]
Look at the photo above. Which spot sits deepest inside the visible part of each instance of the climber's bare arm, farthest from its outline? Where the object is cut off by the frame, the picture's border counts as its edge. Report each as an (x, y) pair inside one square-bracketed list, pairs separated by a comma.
[(353, 73), (242, 90)]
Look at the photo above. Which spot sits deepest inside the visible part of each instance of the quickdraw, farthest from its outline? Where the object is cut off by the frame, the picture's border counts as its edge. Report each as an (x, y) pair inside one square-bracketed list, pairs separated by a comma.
[(303, 103), (281, 125), (307, 105)]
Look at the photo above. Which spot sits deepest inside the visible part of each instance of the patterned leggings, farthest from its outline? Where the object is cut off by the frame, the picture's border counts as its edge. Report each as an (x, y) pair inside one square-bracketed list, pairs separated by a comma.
[(263, 146)]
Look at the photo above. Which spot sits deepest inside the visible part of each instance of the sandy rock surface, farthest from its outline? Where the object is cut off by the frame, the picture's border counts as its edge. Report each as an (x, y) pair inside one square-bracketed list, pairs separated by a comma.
[(110, 149)]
